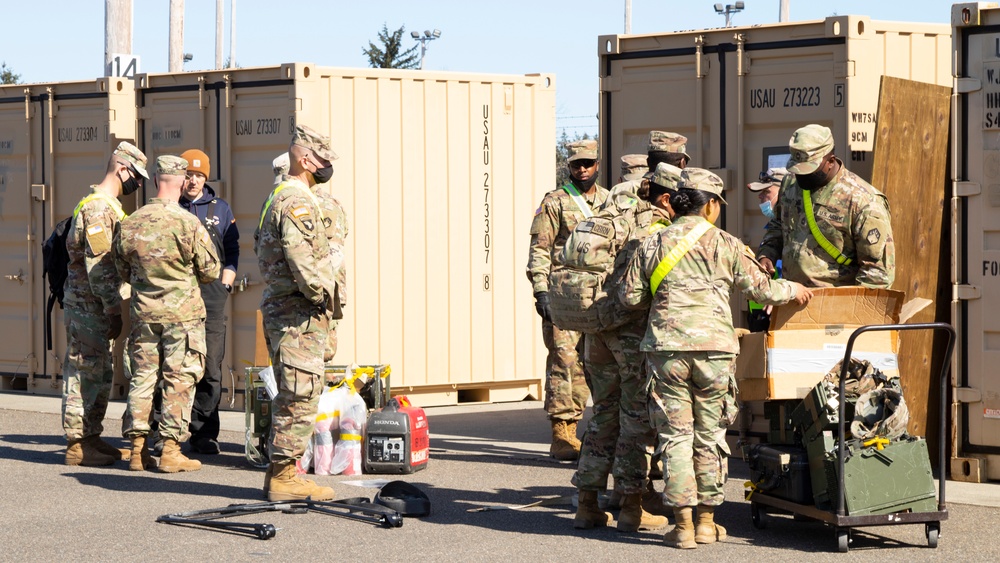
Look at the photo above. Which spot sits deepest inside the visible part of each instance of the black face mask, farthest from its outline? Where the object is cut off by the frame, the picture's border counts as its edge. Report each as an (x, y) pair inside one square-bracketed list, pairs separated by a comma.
[(130, 185), (323, 175), (585, 184), (813, 181)]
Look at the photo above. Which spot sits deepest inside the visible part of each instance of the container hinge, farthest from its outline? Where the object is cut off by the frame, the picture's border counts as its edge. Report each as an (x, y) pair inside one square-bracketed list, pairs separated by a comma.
[(966, 189), (611, 83), (968, 395), (146, 113), (966, 85), (964, 292), (844, 69)]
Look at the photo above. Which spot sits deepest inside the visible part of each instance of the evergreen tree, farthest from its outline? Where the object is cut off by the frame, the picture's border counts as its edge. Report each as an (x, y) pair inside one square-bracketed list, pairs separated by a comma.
[(391, 54), (7, 75)]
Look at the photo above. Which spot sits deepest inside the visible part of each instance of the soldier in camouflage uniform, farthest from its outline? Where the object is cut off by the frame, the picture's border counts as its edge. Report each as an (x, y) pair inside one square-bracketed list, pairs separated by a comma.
[(92, 309), (566, 390), (293, 253), (619, 438), (691, 345), (335, 225), (165, 253), (664, 146), (853, 242)]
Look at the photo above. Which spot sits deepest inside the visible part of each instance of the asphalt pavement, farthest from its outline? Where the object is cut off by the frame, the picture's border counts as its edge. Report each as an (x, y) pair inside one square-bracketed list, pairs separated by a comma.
[(481, 455)]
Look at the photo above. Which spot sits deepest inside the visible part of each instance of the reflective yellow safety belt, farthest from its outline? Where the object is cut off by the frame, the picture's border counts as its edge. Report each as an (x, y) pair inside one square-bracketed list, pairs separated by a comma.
[(113, 202), (820, 239), (270, 198), (676, 253), (578, 200), (658, 226)]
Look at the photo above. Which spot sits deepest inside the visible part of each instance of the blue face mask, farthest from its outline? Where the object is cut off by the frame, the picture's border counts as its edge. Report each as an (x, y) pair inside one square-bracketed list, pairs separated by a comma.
[(767, 210)]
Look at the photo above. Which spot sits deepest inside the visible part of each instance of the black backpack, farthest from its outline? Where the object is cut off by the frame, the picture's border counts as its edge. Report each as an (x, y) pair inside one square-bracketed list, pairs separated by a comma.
[(55, 267)]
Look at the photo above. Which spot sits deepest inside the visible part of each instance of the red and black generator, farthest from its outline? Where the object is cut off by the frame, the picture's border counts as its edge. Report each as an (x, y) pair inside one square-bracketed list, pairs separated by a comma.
[(396, 439)]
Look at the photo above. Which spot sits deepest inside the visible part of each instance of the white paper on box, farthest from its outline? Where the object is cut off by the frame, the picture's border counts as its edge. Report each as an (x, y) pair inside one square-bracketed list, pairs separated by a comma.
[(790, 360)]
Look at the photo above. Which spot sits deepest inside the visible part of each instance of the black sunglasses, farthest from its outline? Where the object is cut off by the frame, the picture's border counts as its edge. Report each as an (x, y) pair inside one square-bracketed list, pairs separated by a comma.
[(765, 177), (582, 163)]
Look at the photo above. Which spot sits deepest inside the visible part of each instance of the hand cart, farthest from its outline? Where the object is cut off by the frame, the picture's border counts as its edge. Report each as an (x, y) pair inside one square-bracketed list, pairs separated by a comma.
[(761, 503)]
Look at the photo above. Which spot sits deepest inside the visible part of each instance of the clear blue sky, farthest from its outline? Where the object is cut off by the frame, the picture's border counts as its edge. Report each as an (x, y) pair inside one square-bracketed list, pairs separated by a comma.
[(63, 40)]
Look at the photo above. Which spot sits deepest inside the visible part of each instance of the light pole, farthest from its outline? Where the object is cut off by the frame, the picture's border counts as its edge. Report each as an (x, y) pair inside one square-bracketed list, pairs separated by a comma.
[(728, 11), (423, 39)]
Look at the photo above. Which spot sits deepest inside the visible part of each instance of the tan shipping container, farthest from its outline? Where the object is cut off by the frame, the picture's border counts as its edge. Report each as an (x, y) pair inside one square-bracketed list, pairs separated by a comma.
[(439, 174), (975, 208), (55, 141), (739, 93)]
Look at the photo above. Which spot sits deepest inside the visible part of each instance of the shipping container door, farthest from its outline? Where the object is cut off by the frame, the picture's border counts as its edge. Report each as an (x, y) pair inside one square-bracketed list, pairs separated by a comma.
[(977, 253), (17, 239)]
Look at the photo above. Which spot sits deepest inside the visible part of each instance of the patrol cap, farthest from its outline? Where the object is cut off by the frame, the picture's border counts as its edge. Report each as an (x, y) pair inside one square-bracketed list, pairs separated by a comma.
[(578, 150), (665, 141), (633, 166), (768, 178), (170, 165), (309, 138), (131, 154), (197, 161), (809, 145), (667, 176), (280, 166), (701, 179)]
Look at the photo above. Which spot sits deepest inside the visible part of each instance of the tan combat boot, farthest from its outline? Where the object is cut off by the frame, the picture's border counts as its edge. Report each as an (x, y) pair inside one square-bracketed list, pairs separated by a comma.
[(173, 461), (588, 513), (708, 531), (287, 485), (562, 449), (267, 478), (633, 518), (139, 458), (105, 448), (653, 503), (682, 535), (571, 435), (79, 452)]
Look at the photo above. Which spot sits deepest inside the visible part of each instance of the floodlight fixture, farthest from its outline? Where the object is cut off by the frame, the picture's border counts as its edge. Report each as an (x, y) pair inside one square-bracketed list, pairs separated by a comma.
[(423, 39), (729, 10)]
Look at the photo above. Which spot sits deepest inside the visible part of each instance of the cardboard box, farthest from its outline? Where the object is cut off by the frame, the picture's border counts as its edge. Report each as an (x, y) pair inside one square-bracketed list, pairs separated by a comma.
[(805, 343)]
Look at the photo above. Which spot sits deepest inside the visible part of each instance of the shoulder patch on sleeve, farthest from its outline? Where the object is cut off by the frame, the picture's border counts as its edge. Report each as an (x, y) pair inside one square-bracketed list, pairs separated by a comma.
[(300, 211)]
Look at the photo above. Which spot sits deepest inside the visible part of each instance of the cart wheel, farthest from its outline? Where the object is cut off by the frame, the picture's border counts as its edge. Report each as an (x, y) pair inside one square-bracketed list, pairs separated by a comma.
[(757, 516), (843, 539), (932, 531)]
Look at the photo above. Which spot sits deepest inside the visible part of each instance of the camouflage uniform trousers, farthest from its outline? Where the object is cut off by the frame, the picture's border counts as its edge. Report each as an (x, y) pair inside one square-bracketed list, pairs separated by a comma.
[(294, 409), (175, 354), (619, 437), (692, 401), (87, 373), (566, 387)]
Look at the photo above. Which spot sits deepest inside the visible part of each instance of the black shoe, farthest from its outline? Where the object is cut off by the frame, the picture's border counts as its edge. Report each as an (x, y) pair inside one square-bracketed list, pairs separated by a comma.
[(204, 445)]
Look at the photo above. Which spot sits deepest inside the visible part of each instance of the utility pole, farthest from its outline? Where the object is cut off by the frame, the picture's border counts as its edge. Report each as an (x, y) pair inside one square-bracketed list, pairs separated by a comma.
[(117, 31), (175, 51), (232, 33), (628, 17), (220, 8), (783, 10)]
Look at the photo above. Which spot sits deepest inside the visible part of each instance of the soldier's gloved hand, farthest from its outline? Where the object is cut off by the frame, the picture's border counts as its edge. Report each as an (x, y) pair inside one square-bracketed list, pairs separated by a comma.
[(114, 326), (542, 305)]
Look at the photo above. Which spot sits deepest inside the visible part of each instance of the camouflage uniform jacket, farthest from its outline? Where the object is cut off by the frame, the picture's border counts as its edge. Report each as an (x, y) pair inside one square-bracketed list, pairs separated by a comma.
[(647, 223), (623, 191), (92, 282), (852, 215), (293, 252), (690, 311), (165, 253), (554, 220), (335, 224)]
